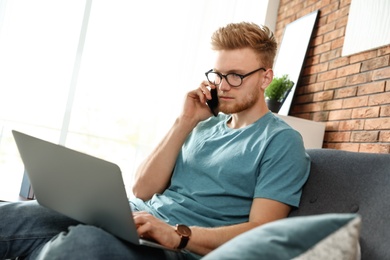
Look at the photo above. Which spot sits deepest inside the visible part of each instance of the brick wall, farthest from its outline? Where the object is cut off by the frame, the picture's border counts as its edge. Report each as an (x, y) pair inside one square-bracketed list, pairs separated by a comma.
[(350, 94)]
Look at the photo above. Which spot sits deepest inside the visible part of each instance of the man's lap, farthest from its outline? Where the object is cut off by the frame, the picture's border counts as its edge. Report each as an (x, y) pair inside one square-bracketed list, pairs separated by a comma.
[(28, 229)]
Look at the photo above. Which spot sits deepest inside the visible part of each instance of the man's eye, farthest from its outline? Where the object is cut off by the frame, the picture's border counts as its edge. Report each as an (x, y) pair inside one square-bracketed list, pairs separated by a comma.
[(234, 75)]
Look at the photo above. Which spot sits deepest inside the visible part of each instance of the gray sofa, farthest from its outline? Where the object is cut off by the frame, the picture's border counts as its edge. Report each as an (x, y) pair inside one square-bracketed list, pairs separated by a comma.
[(349, 182), (340, 182)]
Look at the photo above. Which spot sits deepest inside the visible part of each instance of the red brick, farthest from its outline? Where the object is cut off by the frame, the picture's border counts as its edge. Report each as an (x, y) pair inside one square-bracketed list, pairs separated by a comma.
[(323, 3), (338, 43), (385, 111), (384, 50), (379, 99), (316, 69), (339, 14), (326, 28), (322, 48), (308, 79), (371, 88), (348, 70), (344, 3), (330, 55), (379, 123), (305, 108), (330, 8), (384, 136), (322, 96), (306, 11), (342, 22), (343, 61), (332, 125), (363, 56), (365, 136), (317, 40), (355, 102), (343, 146), (359, 78), (345, 92), (333, 104), (316, 87), (304, 99), (312, 60), (381, 74), (374, 148), (337, 33), (336, 83), (321, 116), (375, 63), (351, 125), (337, 136), (340, 114), (321, 21), (325, 76), (303, 115), (365, 112)]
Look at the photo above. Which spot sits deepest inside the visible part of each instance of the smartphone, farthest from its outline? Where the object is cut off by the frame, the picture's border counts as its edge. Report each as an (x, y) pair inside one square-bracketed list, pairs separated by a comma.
[(213, 102)]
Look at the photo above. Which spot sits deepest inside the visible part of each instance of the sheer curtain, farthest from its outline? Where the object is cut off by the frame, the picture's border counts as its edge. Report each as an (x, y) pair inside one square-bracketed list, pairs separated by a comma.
[(137, 61)]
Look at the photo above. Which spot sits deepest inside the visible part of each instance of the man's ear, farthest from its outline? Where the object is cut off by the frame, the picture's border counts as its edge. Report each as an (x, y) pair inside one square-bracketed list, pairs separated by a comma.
[(268, 76)]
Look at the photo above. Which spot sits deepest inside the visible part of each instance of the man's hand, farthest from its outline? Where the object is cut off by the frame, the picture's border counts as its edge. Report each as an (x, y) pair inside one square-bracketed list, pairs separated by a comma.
[(150, 227), (195, 106)]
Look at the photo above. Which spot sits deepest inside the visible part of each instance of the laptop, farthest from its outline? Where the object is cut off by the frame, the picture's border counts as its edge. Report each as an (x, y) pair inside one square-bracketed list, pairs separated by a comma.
[(80, 186)]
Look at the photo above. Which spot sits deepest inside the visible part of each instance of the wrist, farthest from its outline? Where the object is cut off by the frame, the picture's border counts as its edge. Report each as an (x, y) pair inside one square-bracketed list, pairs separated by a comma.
[(187, 123), (184, 233)]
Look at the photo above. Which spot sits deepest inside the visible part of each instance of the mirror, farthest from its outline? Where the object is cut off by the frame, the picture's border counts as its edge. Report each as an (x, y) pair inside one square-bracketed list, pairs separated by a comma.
[(292, 52)]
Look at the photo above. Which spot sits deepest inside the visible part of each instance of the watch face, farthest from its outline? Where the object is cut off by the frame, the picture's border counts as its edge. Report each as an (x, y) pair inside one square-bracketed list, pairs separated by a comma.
[(184, 230)]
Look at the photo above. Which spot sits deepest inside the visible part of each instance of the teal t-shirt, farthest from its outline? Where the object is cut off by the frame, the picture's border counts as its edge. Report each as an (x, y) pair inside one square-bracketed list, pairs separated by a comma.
[(219, 171)]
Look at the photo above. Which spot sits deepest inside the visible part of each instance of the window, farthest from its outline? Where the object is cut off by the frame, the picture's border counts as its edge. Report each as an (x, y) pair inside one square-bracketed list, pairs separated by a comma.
[(113, 93)]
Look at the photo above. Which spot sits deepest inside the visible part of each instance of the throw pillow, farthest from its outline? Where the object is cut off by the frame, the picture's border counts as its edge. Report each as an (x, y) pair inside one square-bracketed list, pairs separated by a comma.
[(302, 238)]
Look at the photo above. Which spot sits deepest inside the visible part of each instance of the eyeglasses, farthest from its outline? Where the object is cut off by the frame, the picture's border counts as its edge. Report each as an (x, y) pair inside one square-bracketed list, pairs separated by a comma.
[(233, 79)]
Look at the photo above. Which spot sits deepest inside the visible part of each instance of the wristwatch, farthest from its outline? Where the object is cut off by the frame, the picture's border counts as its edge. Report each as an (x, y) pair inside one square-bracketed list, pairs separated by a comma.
[(184, 232)]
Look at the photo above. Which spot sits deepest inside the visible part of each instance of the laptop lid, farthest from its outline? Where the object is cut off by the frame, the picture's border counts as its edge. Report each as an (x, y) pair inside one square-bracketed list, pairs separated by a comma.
[(78, 185)]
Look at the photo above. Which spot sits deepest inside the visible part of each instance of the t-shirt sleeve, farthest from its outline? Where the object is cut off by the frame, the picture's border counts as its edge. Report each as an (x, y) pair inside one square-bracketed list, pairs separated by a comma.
[(284, 169)]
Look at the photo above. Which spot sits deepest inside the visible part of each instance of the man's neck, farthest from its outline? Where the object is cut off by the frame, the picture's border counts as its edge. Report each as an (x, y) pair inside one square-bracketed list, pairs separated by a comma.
[(245, 118)]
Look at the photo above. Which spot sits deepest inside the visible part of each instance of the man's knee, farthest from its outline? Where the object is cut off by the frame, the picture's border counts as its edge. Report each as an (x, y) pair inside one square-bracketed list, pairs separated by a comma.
[(83, 242), (89, 242)]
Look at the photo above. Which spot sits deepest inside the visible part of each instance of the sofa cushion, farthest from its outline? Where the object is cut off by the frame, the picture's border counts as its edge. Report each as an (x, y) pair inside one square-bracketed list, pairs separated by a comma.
[(311, 237)]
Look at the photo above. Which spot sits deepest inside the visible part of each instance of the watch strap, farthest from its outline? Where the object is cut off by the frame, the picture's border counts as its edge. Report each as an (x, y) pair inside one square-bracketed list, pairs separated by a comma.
[(183, 242)]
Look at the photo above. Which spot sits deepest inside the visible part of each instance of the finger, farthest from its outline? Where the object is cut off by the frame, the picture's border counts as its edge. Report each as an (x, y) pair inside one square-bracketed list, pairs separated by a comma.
[(200, 95), (143, 229), (205, 87), (141, 217)]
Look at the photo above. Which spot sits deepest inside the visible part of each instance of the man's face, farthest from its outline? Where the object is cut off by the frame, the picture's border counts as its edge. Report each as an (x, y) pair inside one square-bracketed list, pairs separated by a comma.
[(245, 97)]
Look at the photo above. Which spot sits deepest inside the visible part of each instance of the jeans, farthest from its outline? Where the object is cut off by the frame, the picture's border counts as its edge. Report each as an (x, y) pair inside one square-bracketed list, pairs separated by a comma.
[(30, 231)]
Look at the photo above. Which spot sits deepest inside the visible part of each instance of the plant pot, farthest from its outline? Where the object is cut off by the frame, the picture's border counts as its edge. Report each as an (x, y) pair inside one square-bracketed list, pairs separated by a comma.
[(273, 105)]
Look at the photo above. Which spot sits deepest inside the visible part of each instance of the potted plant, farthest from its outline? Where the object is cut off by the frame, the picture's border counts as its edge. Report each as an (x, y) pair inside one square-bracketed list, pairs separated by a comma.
[(277, 91)]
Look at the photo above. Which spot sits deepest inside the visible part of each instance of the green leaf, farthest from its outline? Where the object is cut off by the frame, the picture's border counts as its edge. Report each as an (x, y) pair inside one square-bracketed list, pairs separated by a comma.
[(278, 88)]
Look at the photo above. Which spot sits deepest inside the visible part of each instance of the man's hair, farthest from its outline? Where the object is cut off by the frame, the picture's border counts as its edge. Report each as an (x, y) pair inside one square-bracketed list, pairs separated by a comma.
[(246, 35)]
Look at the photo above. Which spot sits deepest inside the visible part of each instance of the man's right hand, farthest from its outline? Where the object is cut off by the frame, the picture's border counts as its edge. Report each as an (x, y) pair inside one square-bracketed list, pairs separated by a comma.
[(195, 106)]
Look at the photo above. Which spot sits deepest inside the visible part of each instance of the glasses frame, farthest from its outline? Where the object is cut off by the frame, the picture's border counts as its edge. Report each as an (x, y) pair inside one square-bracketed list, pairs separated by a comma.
[(221, 76)]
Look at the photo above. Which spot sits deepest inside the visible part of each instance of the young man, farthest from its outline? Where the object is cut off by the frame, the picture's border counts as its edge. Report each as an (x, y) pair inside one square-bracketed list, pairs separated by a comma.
[(216, 176)]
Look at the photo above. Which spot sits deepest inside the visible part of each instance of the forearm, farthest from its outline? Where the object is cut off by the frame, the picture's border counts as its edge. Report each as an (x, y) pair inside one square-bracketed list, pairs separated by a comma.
[(154, 174), (204, 240)]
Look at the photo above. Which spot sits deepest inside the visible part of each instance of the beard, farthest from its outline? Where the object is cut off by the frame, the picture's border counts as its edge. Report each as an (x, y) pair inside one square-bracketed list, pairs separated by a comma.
[(247, 102)]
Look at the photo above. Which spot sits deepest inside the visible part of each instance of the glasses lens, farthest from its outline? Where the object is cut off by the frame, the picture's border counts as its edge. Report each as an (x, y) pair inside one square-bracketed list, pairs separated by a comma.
[(233, 79), (214, 78)]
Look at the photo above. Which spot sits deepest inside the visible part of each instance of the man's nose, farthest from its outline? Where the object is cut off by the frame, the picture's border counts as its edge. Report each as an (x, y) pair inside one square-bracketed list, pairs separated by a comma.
[(224, 85)]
